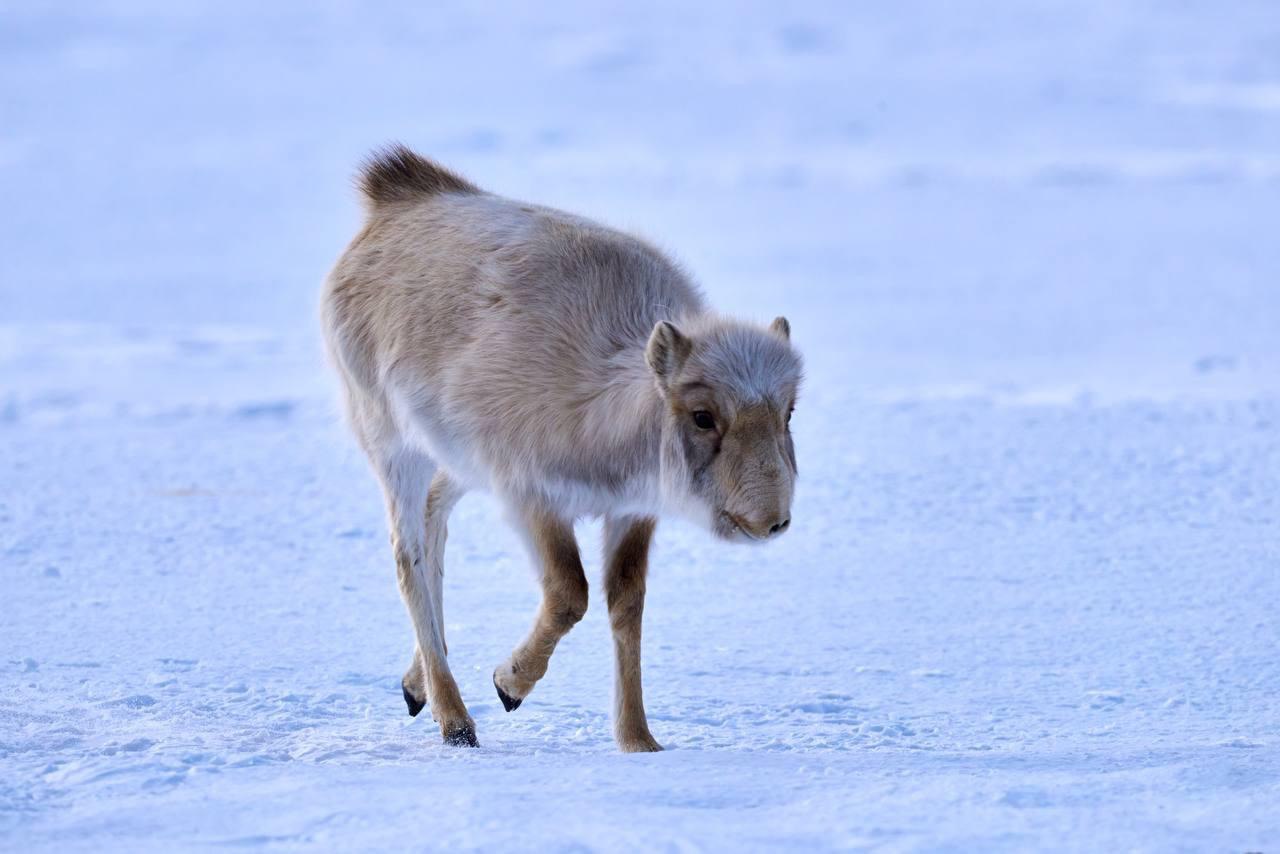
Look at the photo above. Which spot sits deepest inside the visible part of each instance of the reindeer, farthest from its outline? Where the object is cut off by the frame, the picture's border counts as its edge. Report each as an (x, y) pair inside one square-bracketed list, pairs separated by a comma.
[(571, 369)]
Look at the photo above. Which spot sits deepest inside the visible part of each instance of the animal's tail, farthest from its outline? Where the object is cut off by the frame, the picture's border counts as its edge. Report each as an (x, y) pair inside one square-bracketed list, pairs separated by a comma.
[(396, 174)]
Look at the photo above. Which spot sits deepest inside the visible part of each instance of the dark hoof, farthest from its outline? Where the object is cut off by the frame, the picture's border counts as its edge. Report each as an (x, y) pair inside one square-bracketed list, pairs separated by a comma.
[(508, 702), (414, 705), (463, 735)]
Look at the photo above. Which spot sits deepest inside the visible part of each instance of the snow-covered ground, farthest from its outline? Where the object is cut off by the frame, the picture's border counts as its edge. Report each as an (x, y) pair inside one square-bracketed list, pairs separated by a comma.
[(1029, 599)]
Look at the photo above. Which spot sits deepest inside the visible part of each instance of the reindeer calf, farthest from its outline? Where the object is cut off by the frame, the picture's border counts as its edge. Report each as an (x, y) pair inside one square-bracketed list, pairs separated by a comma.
[(572, 370)]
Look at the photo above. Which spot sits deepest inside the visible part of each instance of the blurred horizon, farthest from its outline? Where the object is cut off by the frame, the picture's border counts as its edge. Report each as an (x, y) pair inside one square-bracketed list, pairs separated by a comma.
[(1015, 197)]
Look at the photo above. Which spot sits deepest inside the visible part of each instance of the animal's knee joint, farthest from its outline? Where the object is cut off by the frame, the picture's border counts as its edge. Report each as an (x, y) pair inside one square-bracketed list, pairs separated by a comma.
[(569, 613)]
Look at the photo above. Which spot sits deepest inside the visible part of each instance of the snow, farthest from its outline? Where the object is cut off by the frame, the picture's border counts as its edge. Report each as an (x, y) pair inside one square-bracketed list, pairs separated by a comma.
[(1028, 599)]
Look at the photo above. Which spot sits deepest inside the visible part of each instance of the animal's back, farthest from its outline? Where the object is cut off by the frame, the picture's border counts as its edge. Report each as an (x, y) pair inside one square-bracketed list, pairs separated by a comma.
[(508, 331)]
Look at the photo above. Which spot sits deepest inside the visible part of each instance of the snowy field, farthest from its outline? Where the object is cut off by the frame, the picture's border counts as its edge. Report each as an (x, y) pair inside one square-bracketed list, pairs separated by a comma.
[(1029, 598)]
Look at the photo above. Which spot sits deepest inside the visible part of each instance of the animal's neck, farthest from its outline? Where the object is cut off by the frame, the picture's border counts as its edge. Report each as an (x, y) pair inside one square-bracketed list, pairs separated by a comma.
[(635, 405), (623, 427)]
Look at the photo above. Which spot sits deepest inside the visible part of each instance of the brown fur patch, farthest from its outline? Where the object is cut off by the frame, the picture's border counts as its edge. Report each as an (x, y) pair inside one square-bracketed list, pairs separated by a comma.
[(626, 565), (625, 574), (564, 584), (398, 174)]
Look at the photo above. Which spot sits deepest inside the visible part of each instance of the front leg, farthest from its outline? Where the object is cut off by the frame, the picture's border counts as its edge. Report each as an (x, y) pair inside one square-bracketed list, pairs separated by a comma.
[(564, 602), (626, 564)]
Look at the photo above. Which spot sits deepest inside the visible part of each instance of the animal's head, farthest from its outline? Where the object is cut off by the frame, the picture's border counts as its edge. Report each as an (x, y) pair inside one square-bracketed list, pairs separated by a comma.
[(729, 390)]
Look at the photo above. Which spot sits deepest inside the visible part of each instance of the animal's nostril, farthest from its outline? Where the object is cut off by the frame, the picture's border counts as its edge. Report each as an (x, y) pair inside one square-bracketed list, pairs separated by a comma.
[(781, 526)]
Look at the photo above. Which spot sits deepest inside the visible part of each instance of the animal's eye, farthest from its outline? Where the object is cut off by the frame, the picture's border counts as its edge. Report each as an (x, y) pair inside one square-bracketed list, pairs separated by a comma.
[(703, 420), (790, 412)]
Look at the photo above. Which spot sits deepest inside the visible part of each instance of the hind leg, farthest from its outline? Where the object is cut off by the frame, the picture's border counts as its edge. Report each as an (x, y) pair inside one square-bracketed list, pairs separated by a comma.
[(419, 550), (441, 498)]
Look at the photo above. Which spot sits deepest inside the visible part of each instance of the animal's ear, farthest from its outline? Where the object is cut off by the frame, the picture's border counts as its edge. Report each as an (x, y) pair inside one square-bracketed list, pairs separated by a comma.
[(666, 351), (781, 328)]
